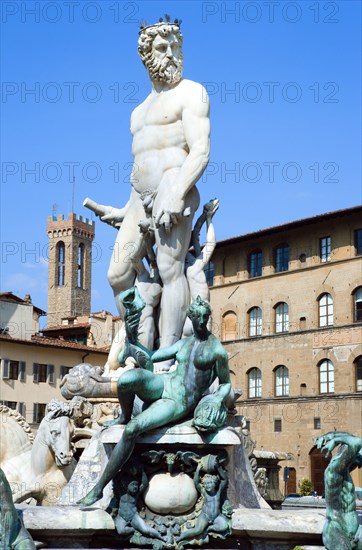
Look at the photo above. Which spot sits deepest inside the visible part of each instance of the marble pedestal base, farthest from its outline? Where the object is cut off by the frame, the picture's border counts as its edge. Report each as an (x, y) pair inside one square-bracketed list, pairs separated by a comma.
[(68, 527)]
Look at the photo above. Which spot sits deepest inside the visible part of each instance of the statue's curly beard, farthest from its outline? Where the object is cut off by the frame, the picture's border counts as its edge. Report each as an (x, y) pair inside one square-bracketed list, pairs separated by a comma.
[(168, 71)]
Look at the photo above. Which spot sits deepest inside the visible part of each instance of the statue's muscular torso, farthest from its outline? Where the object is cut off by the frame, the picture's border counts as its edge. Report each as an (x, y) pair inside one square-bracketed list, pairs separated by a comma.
[(159, 143), (196, 370)]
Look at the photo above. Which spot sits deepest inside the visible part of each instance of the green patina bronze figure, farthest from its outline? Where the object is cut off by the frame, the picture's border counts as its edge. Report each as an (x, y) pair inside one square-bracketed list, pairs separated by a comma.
[(171, 396), (13, 535), (341, 530), (211, 518), (128, 519)]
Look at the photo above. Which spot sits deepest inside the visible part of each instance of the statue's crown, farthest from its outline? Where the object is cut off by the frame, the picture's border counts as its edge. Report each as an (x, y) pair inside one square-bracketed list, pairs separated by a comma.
[(161, 22)]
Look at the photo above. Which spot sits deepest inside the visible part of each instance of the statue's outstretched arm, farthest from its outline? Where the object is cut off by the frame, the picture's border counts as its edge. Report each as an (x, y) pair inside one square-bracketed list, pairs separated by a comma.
[(196, 126), (164, 354), (197, 478), (109, 214), (144, 483), (209, 247), (195, 235), (223, 372), (209, 210), (223, 478)]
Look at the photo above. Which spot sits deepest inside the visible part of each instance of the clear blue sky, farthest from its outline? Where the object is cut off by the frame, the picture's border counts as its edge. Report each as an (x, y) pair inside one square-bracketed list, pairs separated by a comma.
[(284, 84)]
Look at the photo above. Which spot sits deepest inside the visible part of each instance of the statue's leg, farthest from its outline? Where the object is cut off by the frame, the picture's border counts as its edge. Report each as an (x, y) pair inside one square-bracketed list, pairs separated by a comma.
[(158, 414), (133, 382), (129, 245), (140, 525), (220, 525), (121, 526), (121, 275), (200, 526), (171, 253)]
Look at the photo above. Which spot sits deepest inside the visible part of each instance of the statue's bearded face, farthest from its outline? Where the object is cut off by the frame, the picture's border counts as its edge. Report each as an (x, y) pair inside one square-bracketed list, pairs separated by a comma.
[(166, 60), (161, 53)]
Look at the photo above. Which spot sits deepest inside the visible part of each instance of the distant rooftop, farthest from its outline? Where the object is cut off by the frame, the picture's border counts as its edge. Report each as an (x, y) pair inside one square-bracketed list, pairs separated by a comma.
[(54, 343), (10, 297)]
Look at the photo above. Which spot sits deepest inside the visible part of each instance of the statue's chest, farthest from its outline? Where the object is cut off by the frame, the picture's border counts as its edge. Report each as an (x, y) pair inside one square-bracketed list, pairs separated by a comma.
[(199, 356), (162, 110)]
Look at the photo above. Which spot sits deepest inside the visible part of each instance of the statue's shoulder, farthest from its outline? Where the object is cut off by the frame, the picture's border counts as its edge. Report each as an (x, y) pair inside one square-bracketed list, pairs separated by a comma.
[(217, 346), (140, 107), (194, 96), (192, 86)]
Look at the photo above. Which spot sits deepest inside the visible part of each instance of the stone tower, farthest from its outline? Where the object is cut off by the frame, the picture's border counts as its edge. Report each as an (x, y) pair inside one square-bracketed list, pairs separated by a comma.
[(70, 267)]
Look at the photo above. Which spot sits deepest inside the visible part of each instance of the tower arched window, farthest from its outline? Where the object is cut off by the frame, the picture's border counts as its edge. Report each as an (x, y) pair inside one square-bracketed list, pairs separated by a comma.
[(80, 278), (281, 317), (255, 321), (326, 376), (357, 303), (281, 381), (60, 255), (325, 310), (254, 383)]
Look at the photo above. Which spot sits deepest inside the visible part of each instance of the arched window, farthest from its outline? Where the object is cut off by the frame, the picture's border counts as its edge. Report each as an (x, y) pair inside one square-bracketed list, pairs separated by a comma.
[(358, 371), (281, 317), (254, 383), (81, 266), (255, 266), (282, 258), (326, 376), (60, 251), (229, 325), (357, 300), (281, 381), (255, 322), (325, 310)]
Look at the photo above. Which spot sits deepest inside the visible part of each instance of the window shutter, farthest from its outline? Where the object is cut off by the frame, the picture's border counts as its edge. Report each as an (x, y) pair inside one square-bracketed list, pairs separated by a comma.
[(63, 371), (35, 413), (22, 408), (22, 366), (35, 372), (50, 374), (6, 369)]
